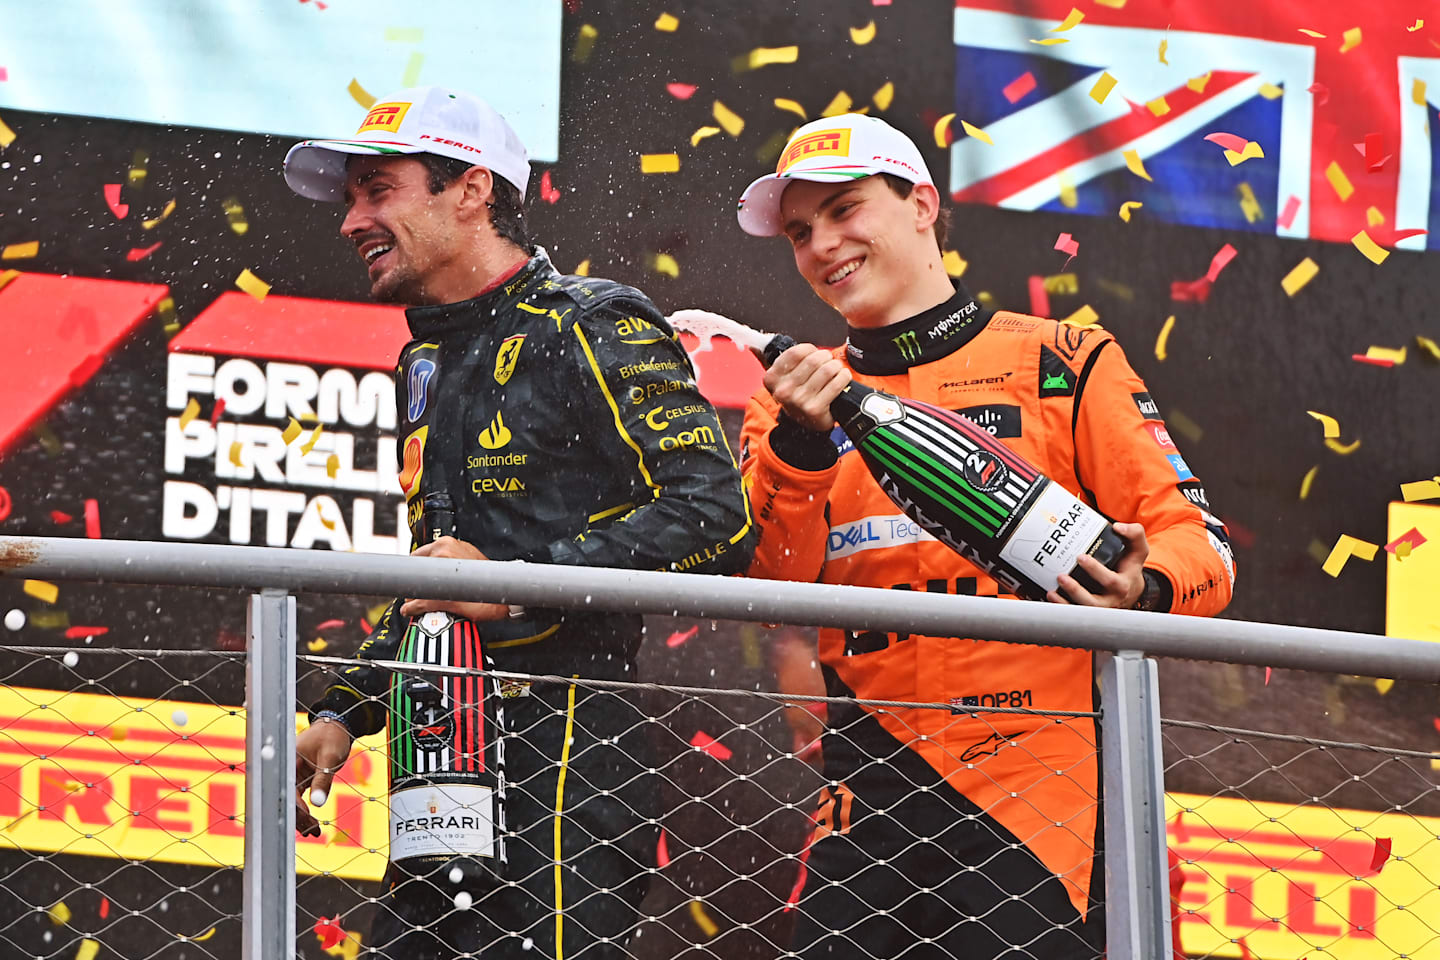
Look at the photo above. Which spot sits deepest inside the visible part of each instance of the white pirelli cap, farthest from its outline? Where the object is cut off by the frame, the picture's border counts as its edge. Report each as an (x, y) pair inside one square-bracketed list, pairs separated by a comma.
[(448, 123), (830, 150)]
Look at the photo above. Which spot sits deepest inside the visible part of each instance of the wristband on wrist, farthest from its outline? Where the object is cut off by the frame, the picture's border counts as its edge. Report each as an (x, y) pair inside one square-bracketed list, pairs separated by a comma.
[(332, 716)]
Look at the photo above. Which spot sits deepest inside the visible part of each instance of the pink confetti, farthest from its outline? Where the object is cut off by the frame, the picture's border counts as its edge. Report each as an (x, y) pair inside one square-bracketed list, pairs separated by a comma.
[(1020, 86), (881, 3), (365, 625), (92, 519), (547, 190), (330, 624), (1228, 140), (1436, 721), (1413, 536), (4, 74), (1322, 93), (680, 636), (60, 516), (662, 851), (1373, 361), (681, 91), (76, 633), (704, 742), (219, 409), (1382, 854), (1267, 676), (140, 253), (1039, 297), (1219, 262), (4, 504), (1287, 216), (1198, 291), (1067, 244), (112, 200)]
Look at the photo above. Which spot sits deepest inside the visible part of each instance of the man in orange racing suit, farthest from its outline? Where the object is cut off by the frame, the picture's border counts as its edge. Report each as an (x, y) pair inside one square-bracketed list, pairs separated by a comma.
[(976, 832)]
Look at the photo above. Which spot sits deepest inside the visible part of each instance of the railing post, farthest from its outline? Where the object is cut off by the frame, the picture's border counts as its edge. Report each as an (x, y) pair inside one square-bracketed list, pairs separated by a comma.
[(1137, 884), (269, 919)]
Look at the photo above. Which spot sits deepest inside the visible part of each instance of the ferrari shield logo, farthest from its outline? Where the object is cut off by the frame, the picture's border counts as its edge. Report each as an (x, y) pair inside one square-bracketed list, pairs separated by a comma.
[(506, 358)]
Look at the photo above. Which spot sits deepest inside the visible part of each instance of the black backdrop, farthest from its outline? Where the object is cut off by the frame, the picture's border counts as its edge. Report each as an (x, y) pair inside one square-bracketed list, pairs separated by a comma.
[(1244, 366)]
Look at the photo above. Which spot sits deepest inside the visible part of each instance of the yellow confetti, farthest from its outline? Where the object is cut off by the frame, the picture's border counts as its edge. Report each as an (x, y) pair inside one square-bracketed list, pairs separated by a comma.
[(252, 284), (1374, 217), (349, 948), (309, 445), (666, 162), (1271, 92), (1158, 106), (59, 913), (795, 108), (1164, 46), (139, 162), (976, 132), (1420, 490), (1345, 548), (360, 95), (1308, 482), (411, 76), (942, 127), (1066, 283), (404, 35), (1068, 197), (1396, 357), (700, 134), (1417, 92), (955, 265), (1136, 165), (764, 56), (702, 919), (325, 521), (1184, 426), (582, 269), (7, 136), (1113, 4), (728, 119), (840, 104), (332, 465), (667, 23), (20, 251), (42, 590), (88, 949), (883, 96), (292, 430), (1351, 40), (235, 213), (1164, 338), (1381, 684), (204, 936), (1050, 41), (191, 411), (1418, 24), (1339, 182), (7, 275), (1249, 205), (1127, 207), (317, 645), (164, 215), (1083, 317), (1373, 252), (1328, 424), (1303, 273), (584, 43), (1252, 150), (1344, 449), (1402, 550), (862, 35), (1198, 83), (235, 453), (1070, 21), (1429, 346), (1311, 33), (666, 264), (1103, 85)]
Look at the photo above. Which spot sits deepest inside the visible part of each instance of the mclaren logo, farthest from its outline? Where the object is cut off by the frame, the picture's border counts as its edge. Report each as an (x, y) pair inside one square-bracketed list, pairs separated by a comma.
[(496, 435), (909, 345), (506, 358)]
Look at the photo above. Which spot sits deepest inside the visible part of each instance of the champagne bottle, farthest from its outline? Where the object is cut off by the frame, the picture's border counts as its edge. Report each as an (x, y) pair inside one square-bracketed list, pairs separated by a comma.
[(447, 779), (970, 491)]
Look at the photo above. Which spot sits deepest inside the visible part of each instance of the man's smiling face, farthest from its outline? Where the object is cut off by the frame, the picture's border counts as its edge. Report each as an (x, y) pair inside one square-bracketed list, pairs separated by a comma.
[(404, 232)]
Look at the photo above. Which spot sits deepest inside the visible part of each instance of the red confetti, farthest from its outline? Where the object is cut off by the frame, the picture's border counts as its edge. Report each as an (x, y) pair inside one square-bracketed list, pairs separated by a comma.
[(1039, 297), (680, 636), (219, 409), (1395, 236), (229, 640), (662, 851), (1182, 832), (92, 519), (1222, 258), (78, 633), (1374, 147), (1287, 216), (4, 503), (330, 624), (60, 516), (1373, 361), (330, 932), (1437, 724), (1267, 676), (1322, 93), (681, 91), (1245, 953), (547, 190), (1382, 854), (1198, 291), (793, 900), (140, 253), (1020, 86), (1069, 245), (1241, 535), (704, 742), (365, 625), (112, 200), (104, 907), (1413, 536), (1228, 140), (809, 751)]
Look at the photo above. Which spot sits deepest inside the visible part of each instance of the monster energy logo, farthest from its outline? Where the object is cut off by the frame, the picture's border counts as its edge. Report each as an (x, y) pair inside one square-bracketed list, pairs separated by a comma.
[(909, 344)]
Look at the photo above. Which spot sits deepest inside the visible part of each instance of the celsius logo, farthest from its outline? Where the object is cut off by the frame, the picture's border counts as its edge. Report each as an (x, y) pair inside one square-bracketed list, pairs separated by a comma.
[(984, 471), (496, 435), (417, 384), (909, 345)]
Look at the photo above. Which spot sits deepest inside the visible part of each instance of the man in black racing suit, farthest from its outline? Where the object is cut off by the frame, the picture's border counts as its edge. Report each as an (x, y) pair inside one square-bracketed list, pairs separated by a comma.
[(561, 414)]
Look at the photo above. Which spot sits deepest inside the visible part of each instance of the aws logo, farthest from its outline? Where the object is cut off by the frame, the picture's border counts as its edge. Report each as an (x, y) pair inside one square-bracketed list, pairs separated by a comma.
[(638, 330), (496, 435), (699, 437), (506, 359)]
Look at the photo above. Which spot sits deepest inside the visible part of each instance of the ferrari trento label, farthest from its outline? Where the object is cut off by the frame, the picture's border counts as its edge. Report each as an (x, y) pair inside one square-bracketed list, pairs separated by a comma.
[(443, 819), (1051, 536)]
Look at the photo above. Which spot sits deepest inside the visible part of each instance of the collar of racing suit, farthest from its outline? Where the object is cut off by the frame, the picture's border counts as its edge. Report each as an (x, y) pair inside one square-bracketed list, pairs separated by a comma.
[(429, 322), (927, 336)]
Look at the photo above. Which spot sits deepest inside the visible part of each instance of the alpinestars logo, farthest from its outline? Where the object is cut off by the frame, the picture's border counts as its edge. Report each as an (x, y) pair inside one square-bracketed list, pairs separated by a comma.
[(908, 344)]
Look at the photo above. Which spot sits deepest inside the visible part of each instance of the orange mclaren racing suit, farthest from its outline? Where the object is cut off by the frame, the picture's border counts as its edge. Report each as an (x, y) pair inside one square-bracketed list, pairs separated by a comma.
[(1067, 400)]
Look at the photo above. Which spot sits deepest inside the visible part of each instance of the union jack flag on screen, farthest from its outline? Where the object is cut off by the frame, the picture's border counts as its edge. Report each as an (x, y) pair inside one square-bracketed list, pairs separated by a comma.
[(1368, 110)]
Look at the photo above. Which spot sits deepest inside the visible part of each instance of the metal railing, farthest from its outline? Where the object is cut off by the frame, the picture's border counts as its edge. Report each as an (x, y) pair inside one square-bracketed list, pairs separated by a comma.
[(1138, 892)]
